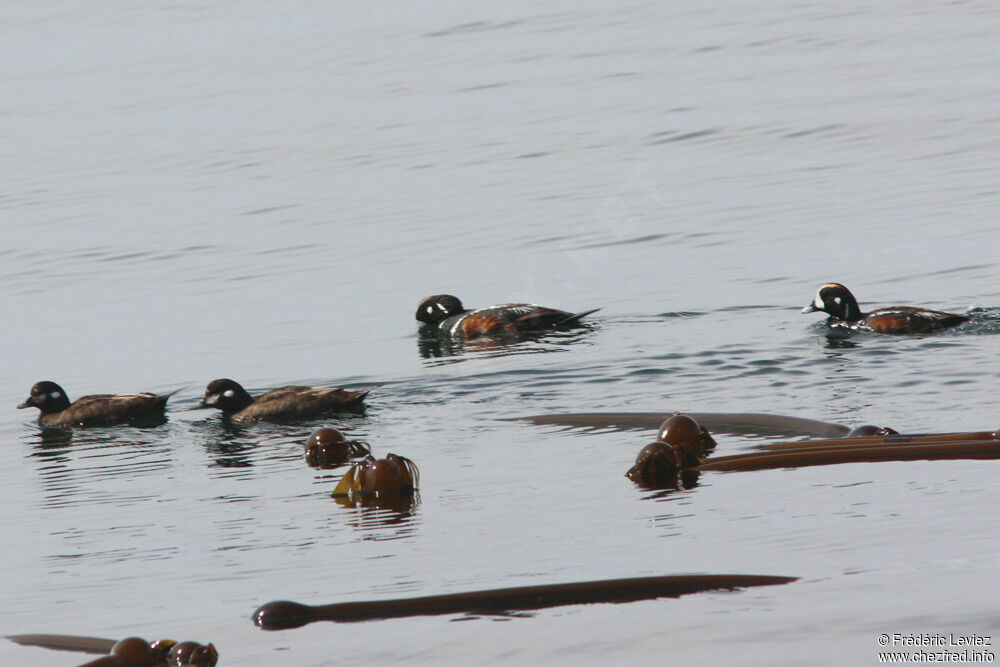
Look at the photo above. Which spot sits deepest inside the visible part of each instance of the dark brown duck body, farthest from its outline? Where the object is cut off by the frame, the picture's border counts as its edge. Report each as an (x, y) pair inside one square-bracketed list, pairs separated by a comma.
[(446, 312), (837, 301), (94, 410), (285, 404)]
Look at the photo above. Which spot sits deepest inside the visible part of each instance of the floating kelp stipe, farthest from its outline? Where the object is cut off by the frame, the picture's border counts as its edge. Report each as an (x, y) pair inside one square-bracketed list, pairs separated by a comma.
[(283, 614), (724, 422), (818, 456)]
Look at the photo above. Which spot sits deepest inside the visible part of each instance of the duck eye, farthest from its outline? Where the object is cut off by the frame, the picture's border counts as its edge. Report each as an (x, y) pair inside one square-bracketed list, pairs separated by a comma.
[(229, 393)]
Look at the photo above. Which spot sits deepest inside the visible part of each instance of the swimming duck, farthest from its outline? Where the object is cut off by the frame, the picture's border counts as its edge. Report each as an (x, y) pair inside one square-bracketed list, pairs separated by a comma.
[(284, 404), (447, 313), (95, 410), (840, 304)]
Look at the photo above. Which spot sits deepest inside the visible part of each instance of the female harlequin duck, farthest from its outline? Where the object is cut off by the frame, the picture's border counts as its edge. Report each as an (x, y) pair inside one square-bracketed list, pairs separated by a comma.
[(95, 410), (447, 313), (284, 404), (838, 301)]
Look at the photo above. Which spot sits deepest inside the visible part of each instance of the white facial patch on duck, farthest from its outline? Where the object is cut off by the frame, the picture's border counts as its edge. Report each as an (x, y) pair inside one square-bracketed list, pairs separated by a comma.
[(441, 306), (55, 395), (818, 302), (229, 393)]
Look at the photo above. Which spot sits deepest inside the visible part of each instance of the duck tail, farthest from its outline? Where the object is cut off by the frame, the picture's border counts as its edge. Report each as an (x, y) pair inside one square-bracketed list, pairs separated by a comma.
[(575, 318), (359, 396)]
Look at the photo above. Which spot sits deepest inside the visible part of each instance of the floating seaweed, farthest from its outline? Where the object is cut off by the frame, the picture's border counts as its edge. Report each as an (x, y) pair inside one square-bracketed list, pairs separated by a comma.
[(128, 652), (729, 422), (282, 614), (328, 448), (855, 453)]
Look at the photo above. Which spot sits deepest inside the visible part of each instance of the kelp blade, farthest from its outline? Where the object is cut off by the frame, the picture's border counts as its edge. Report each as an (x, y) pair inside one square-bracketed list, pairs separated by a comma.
[(797, 458), (95, 645)]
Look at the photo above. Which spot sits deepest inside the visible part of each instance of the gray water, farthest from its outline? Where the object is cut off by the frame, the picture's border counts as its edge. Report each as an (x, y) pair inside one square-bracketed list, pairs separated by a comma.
[(265, 192)]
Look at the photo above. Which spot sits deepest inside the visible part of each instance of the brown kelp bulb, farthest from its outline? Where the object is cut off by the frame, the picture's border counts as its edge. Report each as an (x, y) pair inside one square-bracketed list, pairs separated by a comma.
[(657, 463), (324, 436), (393, 474), (326, 448), (133, 651), (682, 429), (194, 654), (382, 476)]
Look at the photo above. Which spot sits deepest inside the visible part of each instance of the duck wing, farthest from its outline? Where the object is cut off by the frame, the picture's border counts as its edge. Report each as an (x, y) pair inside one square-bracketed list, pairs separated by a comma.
[(906, 319), (295, 402)]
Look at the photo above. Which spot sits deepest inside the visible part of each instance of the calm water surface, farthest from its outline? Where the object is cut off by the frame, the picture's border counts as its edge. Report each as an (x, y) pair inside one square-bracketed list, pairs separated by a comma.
[(234, 189)]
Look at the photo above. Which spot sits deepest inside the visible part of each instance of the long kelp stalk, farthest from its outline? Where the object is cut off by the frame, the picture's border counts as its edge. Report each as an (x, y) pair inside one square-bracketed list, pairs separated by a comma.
[(885, 440), (283, 614), (796, 458), (715, 421)]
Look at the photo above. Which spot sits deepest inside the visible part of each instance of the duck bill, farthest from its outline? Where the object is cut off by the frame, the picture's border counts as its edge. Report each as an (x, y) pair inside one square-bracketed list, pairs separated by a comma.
[(27, 404), (811, 308), (203, 405)]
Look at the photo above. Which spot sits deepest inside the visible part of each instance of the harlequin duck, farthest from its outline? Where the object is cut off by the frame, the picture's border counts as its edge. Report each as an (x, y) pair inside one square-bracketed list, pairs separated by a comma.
[(447, 313), (844, 312), (282, 405), (96, 410)]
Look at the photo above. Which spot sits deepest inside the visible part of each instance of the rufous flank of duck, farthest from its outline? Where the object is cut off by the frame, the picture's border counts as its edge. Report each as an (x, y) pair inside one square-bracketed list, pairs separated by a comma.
[(55, 409), (447, 313), (837, 301), (284, 404)]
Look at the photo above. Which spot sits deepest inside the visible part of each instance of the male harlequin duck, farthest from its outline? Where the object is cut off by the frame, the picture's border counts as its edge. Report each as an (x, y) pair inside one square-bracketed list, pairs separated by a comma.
[(447, 313), (95, 410), (282, 405), (844, 312)]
